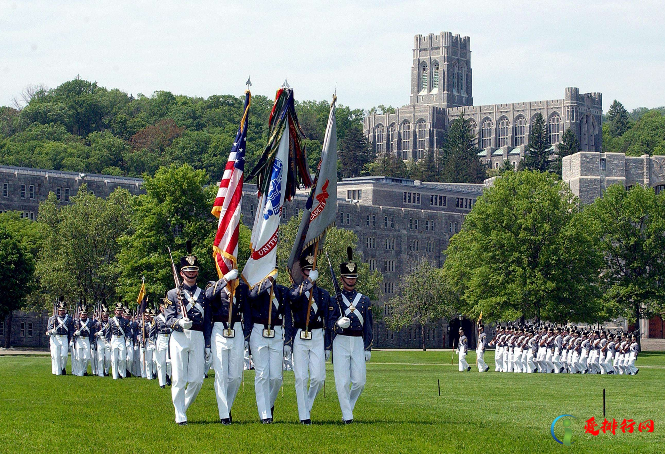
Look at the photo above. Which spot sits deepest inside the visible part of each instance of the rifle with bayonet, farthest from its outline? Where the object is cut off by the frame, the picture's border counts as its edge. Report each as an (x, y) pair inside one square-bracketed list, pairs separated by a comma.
[(178, 290)]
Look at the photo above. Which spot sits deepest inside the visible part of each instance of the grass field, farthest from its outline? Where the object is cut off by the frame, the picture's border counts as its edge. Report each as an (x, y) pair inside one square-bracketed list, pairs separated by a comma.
[(399, 411)]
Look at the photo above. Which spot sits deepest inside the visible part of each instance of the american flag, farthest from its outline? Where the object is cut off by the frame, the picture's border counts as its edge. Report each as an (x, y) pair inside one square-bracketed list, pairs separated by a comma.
[(228, 201)]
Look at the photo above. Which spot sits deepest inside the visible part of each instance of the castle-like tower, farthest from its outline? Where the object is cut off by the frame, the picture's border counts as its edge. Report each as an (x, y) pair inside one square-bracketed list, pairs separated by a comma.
[(441, 71)]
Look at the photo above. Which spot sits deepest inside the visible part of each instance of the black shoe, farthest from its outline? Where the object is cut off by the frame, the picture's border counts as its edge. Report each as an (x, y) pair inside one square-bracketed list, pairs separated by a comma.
[(184, 423), (161, 386), (85, 374), (272, 412), (487, 368), (306, 422), (468, 368), (129, 374), (168, 381), (64, 372), (206, 375), (225, 421), (348, 421), (266, 421), (230, 417), (636, 371)]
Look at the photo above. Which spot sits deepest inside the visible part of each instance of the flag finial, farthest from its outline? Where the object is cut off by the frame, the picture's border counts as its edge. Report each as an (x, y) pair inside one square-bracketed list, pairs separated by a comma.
[(249, 82)]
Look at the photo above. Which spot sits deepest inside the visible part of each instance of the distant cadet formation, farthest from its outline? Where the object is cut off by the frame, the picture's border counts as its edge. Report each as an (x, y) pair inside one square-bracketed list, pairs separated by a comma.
[(192, 334), (558, 350)]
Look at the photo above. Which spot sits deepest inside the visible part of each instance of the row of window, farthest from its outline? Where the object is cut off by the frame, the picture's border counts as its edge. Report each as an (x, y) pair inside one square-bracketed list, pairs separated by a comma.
[(464, 203), (412, 198), (400, 141), (414, 245), (354, 194), (458, 78), (28, 192)]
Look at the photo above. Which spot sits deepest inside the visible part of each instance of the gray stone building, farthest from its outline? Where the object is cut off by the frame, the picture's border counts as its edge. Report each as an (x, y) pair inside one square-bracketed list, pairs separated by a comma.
[(442, 90), (590, 174), (24, 188)]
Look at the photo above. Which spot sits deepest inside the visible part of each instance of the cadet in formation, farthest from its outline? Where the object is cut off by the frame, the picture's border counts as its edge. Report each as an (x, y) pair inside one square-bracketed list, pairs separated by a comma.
[(60, 331), (352, 339), (462, 349), (548, 349), (311, 312), (163, 333), (119, 326), (84, 331)]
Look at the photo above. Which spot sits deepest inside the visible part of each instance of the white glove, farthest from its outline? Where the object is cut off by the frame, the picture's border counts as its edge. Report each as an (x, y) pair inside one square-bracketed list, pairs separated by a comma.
[(49, 332), (246, 345), (231, 275), (313, 275), (185, 323), (208, 354), (77, 333), (287, 351), (344, 322), (328, 352), (368, 356)]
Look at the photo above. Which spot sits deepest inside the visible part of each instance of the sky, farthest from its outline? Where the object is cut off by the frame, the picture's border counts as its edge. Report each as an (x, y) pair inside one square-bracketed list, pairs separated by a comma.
[(521, 51)]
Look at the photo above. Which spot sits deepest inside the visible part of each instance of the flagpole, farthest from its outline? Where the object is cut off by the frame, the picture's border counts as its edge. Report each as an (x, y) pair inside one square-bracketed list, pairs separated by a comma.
[(311, 293)]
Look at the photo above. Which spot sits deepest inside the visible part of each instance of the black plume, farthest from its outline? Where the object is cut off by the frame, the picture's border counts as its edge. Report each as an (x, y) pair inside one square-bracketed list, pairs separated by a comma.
[(61, 298), (189, 247), (349, 253)]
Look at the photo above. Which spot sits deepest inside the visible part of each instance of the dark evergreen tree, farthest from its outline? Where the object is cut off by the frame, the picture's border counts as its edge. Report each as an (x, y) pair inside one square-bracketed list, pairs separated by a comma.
[(537, 150), (354, 152), (617, 116), (459, 161)]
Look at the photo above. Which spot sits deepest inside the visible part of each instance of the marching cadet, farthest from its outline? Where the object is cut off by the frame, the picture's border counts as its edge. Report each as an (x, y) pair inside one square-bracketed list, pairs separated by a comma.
[(119, 326), (130, 340), (103, 335), (310, 341), (188, 317), (83, 336), (60, 330), (265, 309), (462, 349), (480, 349), (610, 350), (633, 350), (226, 339), (143, 335), (352, 339), (497, 349), (163, 334), (556, 356)]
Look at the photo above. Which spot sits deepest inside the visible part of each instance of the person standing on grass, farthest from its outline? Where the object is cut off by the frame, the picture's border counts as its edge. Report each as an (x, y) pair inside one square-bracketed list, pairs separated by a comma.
[(83, 336), (352, 339), (480, 349), (119, 327), (311, 341), (60, 329), (163, 333), (463, 347), (103, 335), (190, 337), (227, 340)]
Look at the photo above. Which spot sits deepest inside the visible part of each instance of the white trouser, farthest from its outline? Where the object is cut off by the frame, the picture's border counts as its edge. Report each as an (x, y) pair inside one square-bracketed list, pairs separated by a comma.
[(630, 364), (161, 353), (498, 359), (463, 365), (350, 371), (136, 364), (592, 362), (530, 364), (309, 362), (118, 356), (609, 362), (505, 360), (556, 360), (517, 360), (482, 366), (583, 362), (146, 360), (227, 360), (549, 365), (83, 355), (59, 351), (187, 358), (129, 363), (540, 359), (268, 354), (103, 356)]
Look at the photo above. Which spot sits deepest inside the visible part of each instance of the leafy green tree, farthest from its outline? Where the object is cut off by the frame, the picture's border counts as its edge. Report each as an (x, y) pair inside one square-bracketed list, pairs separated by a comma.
[(459, 162), (630, 225), (80, 260), (424, 297), (617, 116), (537, 150), (524, 251), (388, 165), (336, 242), (15, 277)]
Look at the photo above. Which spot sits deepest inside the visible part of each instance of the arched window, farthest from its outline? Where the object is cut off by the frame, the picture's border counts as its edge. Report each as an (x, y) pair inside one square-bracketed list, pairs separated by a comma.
[(435, 75), (405, 135), (423, 77), (392, 138), (462, 83), (486, 134), (553, 128), (455, 77), (520, 130), (421, 132), (504, 129), (379, 139), (473, 127)]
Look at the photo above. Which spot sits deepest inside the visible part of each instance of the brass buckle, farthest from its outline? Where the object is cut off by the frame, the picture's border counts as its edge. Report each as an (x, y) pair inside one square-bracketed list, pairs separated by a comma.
[(305, 335), (269, 333), (229, 333)]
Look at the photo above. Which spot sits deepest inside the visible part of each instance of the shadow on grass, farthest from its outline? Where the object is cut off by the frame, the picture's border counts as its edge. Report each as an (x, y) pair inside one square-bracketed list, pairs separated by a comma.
[(318, 423)]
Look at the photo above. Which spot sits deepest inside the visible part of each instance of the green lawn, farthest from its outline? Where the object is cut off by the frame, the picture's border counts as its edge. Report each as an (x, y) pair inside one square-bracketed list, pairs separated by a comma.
[(399, 411)]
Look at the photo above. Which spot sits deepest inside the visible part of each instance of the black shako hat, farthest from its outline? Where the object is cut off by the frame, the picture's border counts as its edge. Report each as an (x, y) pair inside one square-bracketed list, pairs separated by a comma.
[(189, 262), (350, 268), (307, 258)]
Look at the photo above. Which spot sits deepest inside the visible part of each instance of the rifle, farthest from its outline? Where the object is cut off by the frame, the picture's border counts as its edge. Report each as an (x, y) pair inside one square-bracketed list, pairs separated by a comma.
[(177, 286), (338, 290)]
